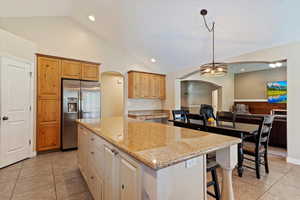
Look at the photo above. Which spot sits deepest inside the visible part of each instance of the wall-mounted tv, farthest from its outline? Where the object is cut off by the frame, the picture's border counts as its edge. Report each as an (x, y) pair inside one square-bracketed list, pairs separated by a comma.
[(277, 92)]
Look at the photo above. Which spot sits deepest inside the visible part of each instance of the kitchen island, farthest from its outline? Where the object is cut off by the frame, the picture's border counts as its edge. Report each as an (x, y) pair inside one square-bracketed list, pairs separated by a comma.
[(125, 159)]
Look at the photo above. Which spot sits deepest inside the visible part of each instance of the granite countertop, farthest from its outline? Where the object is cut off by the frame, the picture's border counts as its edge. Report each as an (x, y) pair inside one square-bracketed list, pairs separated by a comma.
[(156, 145)]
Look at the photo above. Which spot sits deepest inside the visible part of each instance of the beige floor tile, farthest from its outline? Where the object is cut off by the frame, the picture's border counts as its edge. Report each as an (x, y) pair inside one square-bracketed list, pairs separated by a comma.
[(34, 183), (6, 190), (61, 177), (282, 192), (44, 193), (69, 187), (81, 196), (36, 170), (9, 174)]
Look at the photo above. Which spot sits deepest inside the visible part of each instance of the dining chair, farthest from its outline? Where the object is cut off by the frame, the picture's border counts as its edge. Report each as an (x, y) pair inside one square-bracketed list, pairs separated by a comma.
[(180, 114), (226, 116), (207, 111), (259, 148), (198, 117), (211, 167)]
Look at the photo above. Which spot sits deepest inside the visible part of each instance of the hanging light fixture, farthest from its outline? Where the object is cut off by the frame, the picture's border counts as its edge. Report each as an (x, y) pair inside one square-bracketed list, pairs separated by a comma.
[(212, 69)]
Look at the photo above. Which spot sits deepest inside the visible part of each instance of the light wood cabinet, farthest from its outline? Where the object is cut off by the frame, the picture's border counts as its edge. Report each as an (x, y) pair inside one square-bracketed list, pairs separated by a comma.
[(50, 71), (71, 69), (48, 78), (48, 104), (143, 85), (90, 72)]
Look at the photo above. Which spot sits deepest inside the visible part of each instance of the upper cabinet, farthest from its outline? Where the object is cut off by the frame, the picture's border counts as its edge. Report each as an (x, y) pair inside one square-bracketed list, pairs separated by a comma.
[(48, 78), (71, 69), (90, 72), (143, 85)]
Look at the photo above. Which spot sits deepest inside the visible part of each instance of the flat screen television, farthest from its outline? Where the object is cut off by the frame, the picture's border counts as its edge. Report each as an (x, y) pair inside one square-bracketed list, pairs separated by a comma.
[(277, 92)]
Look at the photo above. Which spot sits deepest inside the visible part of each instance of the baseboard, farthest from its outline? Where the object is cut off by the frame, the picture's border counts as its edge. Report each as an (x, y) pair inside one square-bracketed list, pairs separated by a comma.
[(293, 160), (33, 154)]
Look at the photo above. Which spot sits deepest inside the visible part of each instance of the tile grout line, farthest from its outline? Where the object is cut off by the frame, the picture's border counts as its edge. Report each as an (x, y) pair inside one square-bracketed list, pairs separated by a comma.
[(273, 185), (13, 190), (54, 182)]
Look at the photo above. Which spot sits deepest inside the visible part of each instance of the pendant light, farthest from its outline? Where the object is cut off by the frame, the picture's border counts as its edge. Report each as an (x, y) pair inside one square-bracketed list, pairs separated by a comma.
[(213, 69)]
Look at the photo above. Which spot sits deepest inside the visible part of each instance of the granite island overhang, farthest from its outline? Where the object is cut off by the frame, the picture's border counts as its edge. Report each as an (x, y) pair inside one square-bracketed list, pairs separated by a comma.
[(165, 157)]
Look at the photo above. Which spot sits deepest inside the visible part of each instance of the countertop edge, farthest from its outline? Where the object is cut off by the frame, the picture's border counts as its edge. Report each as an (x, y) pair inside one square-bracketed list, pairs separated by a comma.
[(159, 166)]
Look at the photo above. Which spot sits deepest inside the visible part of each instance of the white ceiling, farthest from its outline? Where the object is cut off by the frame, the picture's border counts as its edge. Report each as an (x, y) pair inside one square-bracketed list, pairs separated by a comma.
[(172, 31)]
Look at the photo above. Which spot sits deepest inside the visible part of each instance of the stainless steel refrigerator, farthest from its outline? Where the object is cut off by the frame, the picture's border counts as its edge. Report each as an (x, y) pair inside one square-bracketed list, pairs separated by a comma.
[(81, 100)]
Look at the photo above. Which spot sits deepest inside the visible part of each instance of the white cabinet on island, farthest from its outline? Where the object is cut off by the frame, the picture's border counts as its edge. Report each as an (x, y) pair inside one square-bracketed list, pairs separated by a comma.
[(124, 159)]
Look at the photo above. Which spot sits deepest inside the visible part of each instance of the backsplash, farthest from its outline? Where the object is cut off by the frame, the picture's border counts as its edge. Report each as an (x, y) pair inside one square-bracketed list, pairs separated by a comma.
[(144, 104)]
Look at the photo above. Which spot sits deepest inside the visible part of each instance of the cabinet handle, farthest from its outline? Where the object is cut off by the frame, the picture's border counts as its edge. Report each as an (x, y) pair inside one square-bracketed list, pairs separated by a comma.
[(92, 177), (92, 139), (92, 152), (123, 186)]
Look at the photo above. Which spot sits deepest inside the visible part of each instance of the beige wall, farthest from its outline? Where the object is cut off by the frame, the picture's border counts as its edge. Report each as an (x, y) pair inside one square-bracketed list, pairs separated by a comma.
[(253, 85), (291, 53), (112, 94), (61, 36)]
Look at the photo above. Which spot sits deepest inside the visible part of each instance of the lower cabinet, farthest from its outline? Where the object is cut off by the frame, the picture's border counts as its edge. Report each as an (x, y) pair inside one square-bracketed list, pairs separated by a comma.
[(109, 173)]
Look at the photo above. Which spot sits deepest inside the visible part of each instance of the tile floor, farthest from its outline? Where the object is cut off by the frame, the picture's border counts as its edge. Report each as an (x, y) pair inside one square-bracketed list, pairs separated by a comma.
[(55, 176)]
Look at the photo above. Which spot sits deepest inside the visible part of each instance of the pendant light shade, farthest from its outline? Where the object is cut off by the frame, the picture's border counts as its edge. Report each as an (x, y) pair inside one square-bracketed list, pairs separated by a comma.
[(212, 69)]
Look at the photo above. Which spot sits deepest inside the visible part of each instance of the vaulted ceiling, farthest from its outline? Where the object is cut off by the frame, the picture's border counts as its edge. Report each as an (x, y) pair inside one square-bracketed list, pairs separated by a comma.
[(172, 31)]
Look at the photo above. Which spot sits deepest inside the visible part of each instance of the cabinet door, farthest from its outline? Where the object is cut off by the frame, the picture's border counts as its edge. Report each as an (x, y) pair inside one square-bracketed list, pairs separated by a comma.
[(110, 176), (134, 85), (162, 87), (145, 89), (152, 80), (90, 72), (71, 69), (48, 137), (129, 181), (48, 104), (48, 78)]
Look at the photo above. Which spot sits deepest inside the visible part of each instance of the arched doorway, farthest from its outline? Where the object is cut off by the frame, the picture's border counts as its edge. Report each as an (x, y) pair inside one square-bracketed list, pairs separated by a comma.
[(197, 92), (112, 96)]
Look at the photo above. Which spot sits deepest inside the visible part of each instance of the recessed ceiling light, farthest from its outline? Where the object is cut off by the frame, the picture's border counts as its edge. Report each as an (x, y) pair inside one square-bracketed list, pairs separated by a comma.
[(272, 65), (243, 69), (92, 18), (153, 60)]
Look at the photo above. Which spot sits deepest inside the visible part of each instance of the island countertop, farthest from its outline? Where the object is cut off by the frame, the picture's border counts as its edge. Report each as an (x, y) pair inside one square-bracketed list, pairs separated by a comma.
[(153, 144)]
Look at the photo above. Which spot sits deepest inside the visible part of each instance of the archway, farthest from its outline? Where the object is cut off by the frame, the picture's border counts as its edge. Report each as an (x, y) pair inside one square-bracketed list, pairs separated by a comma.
[(197, 92), (112, 96)]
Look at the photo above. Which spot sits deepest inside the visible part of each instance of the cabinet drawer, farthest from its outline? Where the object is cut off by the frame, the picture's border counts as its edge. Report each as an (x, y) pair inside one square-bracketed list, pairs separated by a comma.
[(96, 141), (95, 184), (96, 158)]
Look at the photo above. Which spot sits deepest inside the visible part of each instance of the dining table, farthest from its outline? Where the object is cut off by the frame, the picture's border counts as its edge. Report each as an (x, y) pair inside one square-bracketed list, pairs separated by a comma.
[(234, 129)]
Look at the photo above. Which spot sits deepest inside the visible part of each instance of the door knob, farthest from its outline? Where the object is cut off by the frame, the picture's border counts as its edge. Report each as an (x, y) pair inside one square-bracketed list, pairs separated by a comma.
[(4, 118)]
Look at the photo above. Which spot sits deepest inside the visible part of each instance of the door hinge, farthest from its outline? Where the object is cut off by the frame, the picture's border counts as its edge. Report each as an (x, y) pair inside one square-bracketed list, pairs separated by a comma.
[(30, 74), (29, 108), (29, 142)]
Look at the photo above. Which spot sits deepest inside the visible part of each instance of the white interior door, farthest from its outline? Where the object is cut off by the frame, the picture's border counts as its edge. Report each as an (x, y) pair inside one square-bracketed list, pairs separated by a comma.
[(214, 100), (15, 111)]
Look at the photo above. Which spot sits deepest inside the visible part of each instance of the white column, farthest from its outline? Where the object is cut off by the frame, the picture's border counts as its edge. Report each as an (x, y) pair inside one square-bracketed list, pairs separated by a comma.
[(227, 158)]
